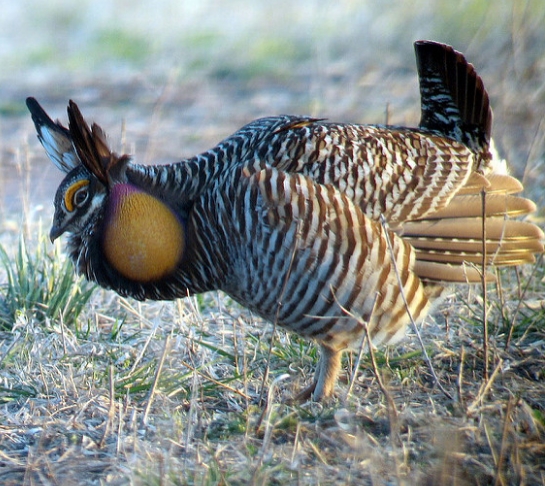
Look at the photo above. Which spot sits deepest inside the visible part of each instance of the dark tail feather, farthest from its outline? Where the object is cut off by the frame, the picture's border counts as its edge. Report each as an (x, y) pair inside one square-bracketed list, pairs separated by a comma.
[(453, 98)]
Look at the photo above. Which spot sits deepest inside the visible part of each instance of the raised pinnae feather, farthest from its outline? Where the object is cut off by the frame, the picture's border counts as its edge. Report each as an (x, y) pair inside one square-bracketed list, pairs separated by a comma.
[(92, 147), (85, 144), (100, 140), (54, 137)]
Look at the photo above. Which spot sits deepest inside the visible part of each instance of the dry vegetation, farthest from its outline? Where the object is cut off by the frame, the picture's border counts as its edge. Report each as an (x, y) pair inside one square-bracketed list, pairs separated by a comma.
[(170, 394), (95, 389)]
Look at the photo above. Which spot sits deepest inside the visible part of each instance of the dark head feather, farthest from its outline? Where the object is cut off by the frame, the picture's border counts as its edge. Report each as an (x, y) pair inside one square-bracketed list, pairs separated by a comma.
[(92, 147)]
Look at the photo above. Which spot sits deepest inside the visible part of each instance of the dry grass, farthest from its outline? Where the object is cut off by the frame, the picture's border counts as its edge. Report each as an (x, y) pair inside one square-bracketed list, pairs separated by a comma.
[(169, 393), (170, 396)]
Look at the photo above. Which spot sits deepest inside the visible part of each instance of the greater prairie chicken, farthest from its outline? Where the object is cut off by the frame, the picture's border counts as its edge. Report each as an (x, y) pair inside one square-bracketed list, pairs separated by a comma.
[(285, 214)]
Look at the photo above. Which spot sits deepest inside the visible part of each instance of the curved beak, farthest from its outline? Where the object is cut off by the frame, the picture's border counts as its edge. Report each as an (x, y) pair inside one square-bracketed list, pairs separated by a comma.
[(55, 232)]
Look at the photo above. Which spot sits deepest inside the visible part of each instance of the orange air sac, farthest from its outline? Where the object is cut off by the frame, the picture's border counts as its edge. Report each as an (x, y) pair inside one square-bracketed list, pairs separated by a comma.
[(143, 238)]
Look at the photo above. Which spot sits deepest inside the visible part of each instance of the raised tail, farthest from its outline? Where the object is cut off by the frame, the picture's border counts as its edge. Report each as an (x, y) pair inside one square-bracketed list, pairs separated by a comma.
[(449, 243), (454, 102)]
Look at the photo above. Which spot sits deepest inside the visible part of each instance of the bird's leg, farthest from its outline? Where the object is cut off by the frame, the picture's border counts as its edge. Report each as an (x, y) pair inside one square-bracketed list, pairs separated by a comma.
[(325, 376), (327, 373)]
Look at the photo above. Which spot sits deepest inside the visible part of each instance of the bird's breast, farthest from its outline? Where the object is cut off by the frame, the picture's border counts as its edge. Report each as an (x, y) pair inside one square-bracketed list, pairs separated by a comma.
[(143, 239)]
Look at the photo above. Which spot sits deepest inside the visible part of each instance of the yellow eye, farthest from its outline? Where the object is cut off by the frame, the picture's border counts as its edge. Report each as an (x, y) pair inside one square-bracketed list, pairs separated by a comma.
[(76, 195)]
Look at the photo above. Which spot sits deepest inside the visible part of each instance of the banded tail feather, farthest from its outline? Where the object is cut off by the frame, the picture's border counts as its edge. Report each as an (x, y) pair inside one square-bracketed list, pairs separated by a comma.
[(449, 243)]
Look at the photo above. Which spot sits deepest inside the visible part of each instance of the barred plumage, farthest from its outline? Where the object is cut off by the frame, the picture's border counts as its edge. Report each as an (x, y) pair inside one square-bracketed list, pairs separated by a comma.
[(284, 215)]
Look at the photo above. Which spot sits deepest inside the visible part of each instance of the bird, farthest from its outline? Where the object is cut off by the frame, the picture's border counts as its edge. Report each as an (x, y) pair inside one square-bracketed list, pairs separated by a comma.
[(338, 232)]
